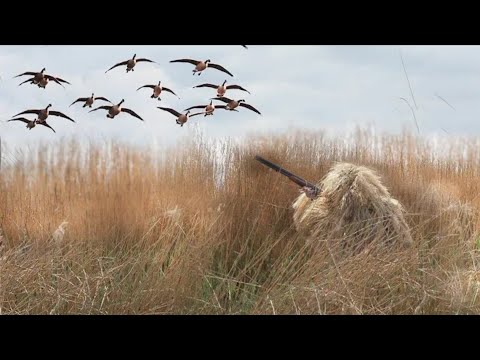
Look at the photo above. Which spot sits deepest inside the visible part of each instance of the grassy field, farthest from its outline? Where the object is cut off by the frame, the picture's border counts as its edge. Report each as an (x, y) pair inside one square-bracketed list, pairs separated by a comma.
[(205, 229)]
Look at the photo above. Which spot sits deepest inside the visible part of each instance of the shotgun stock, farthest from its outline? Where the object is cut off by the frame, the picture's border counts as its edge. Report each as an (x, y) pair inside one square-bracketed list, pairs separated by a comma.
[(296, 179)]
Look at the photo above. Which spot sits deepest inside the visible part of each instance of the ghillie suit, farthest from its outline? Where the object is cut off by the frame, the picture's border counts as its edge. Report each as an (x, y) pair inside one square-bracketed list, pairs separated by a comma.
[(353, 209)]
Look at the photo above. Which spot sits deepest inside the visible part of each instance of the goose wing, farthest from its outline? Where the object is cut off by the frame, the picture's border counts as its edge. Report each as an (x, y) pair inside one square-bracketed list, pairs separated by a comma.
[(131, 112), (146, 86), (206, 85), (79, 100), (28, 80), (219, 67), (32, 73), (53, 78), (102, 98), (104, 107), (57, 78), (58, 113), (170, 91), (245, 46), (190, 61), (170, 110), (222, 98), (199, 113), (237, 87), (196, 107), (63, 81), (22, 119), (145, 60), (119, 64), (250, 107), (29, 112), (45, 124)]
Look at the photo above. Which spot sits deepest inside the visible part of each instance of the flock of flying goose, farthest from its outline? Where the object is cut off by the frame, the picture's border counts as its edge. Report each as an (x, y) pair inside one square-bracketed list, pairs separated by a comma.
[(41, 79)]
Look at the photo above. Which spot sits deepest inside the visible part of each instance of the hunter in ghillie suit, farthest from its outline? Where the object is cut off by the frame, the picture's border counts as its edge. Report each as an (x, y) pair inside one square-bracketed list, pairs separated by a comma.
[(350, 208)]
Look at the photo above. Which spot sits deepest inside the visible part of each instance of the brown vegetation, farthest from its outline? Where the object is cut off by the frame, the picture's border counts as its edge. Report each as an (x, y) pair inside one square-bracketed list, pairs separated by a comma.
[(207, 229)]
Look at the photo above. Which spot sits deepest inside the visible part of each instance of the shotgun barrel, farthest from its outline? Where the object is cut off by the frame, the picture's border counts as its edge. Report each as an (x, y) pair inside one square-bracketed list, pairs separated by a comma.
[(296, 179)]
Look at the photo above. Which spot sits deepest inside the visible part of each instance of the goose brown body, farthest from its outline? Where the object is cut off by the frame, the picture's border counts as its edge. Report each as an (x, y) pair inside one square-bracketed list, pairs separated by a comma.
[(157, 90), (233, 104), (200, 66), (88, 101), (32, 123), (42, 114), (43, 81), (181, 118), (207, 109), (114, 110), (222, 88), (131, 63)]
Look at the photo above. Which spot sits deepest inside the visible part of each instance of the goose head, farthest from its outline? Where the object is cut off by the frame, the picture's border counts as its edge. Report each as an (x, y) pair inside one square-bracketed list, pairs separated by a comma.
[(224, 83), (121, 102), (43, 70), (134, 56)]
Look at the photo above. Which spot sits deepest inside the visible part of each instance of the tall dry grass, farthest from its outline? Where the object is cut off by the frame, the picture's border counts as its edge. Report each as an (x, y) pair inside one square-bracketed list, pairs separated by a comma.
[(206, 229)]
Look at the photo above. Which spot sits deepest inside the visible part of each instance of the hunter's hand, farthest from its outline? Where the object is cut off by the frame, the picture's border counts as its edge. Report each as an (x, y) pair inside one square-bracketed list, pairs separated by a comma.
[(310, 193)]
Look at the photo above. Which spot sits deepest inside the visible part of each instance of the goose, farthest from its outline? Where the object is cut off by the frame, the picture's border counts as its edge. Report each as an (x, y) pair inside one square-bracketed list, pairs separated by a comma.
[(131, 63), (232, 104), (222, 89), (42, 114), (44, 81), (41, 79), (202, 65), (157, 90), (114, 110), (37, 76), (90, 100), (181, 118), (32, 123), (208, 109)]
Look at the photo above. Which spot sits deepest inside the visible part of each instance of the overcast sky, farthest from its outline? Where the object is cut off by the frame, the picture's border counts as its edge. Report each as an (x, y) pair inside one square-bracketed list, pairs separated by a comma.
[(311, 87)]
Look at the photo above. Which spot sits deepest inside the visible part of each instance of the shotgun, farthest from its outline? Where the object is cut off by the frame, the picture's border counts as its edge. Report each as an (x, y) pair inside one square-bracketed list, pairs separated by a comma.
[(296, 179)]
